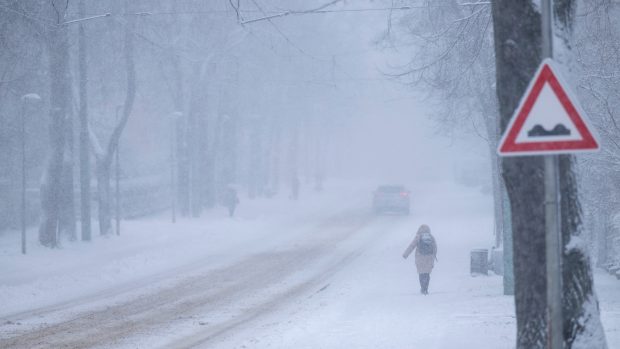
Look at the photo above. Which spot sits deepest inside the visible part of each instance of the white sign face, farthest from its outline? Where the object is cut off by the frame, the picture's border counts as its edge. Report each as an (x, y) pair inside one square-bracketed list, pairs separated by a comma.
[(548, 120), (547, 115)]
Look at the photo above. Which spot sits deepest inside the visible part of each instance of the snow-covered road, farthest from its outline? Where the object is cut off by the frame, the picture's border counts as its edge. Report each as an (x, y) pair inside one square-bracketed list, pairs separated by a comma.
[(374, 301), (325, 275), (222, 298)]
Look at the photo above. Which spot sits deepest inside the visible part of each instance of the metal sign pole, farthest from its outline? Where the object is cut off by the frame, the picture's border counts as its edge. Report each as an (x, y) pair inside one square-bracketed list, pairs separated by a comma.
[(553, 244), (553, 253)]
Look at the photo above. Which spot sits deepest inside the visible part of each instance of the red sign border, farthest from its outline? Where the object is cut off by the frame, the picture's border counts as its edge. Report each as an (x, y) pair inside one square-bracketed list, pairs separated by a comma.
[(508, 145)]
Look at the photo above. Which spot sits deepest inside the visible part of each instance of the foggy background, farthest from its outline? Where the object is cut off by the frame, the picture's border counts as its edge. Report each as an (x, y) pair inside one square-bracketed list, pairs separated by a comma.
[(130, 131), (318, 89)]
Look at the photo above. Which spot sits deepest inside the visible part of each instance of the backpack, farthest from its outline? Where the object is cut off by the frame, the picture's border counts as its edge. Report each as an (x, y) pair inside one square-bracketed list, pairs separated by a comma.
[(425, 244)]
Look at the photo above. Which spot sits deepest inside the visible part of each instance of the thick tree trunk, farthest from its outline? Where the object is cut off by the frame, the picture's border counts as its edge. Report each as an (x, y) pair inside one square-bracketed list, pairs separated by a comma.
[(517, 33), (181, 133), (59, 101), (204, 133), (104, 198), (67, 207), (83, 114), (197, 137), (209, 161), (582, 325), (517, 46)]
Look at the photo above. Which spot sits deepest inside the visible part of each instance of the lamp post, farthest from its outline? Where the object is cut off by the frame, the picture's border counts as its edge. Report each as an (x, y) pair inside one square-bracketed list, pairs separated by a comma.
[(30, 97), (174, 117)]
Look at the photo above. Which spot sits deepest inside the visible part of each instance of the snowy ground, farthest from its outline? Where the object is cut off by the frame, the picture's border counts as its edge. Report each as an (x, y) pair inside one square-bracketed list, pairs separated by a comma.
[(320, 273)]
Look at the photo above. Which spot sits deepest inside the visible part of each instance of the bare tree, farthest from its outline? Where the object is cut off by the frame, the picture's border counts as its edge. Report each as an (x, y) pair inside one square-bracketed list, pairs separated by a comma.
[(597, 35), (21, 58), (104, 157), (51, 188)]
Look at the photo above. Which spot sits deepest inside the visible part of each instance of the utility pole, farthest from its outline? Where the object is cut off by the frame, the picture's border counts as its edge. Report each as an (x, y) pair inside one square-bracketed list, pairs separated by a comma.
[(555, 333)]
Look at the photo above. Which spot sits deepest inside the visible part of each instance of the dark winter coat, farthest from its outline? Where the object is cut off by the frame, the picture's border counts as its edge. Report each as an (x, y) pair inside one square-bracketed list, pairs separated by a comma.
[(424, 263)]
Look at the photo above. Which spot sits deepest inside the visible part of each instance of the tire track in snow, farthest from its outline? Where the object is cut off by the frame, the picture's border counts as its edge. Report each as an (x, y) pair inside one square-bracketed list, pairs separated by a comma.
[(317, 283), (216, 292)]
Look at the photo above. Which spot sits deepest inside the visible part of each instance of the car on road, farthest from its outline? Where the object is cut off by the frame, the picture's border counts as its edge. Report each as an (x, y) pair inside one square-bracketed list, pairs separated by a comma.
[(391, 199)]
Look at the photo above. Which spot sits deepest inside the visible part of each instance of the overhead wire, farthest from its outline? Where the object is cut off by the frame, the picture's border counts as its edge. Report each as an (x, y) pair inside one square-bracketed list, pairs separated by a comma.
[(329, 60), (296, 12), (284, 36), (321, 9)]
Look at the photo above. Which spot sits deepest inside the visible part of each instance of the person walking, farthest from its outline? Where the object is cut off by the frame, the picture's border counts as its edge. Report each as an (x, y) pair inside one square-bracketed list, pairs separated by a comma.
[(425, 255)]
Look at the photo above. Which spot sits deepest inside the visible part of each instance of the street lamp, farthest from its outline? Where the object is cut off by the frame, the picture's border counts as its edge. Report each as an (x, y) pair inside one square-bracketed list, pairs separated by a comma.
[(174, 117), (27, 98)]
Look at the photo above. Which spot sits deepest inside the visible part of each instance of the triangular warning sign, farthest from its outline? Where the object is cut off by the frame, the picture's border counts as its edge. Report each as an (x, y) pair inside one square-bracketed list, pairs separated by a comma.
[(548, 120)]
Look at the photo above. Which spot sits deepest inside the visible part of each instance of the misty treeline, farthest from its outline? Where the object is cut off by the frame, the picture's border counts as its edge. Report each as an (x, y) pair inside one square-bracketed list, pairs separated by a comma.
[(475, 61), (187, 100)]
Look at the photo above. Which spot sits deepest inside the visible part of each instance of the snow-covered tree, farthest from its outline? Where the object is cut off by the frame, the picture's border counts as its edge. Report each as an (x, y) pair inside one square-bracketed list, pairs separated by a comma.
[(596, 37), (517, 33)]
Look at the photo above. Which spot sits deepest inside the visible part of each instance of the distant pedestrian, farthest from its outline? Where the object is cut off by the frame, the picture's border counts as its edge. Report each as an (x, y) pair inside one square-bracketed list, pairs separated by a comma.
[(425, 255), (231, 200)]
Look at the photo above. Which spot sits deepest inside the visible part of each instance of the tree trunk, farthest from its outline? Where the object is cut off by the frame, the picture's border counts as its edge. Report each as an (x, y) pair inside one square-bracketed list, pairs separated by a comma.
[(84, 153), (59, 101), (211, 145), (67, 200), (195, 135), (255, 151), (104, 160), (67, 206), (293, 156), (181, 132), (582, 325), (274, 170), (517, 33), (104, 198)]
